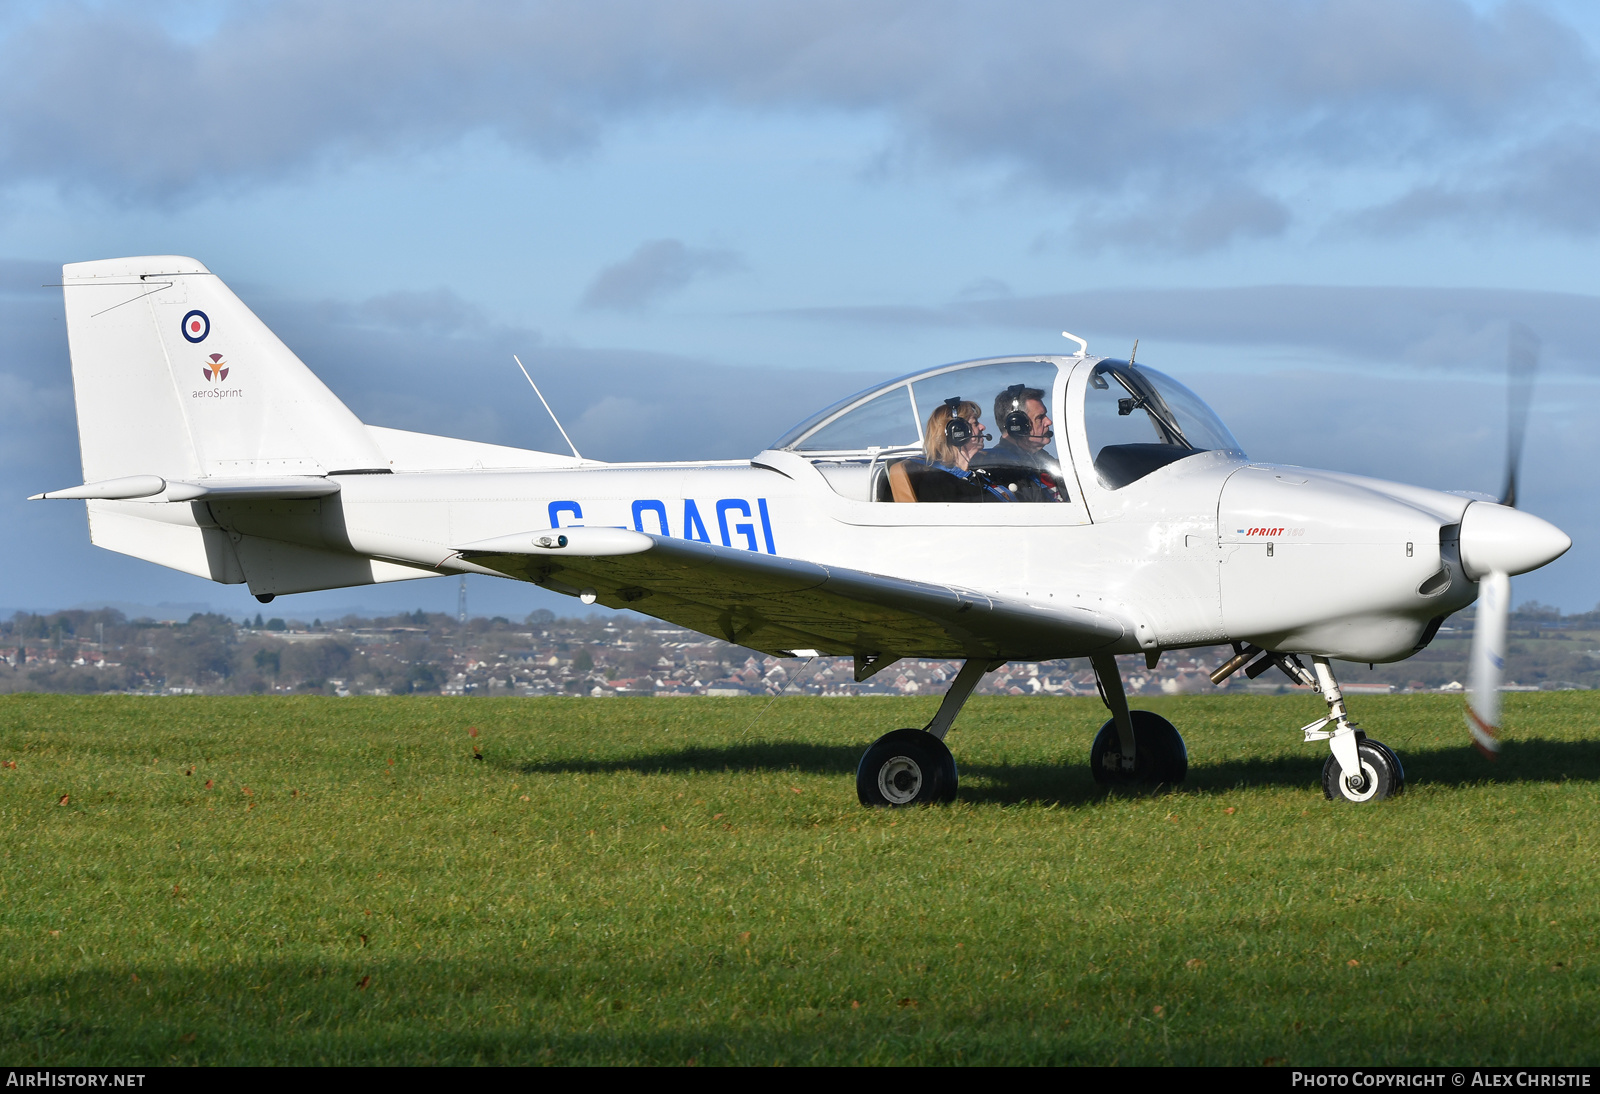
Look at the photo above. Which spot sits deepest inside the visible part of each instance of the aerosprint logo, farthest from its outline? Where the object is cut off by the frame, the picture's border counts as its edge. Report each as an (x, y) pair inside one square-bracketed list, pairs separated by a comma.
[(196, 326), (215, 368)]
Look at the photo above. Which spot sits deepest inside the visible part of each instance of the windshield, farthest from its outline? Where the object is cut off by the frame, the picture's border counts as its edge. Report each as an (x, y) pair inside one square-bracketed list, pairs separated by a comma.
[(1137, 420)]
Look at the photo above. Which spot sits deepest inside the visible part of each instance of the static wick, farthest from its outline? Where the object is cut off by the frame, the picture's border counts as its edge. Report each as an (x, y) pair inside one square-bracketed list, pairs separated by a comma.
[(546, 403)]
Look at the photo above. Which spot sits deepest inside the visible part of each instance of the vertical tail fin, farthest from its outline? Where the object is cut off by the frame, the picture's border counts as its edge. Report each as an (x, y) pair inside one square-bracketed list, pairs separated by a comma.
[(174, 376)]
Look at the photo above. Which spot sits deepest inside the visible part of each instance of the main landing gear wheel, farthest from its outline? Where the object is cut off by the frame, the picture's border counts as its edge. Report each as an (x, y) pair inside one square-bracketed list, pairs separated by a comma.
[(906, 767), (1381, 775), (1160, 757)]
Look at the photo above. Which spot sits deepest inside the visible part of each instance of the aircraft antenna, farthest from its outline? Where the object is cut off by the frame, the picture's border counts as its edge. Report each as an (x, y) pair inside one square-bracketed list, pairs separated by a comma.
[(1134, 352), (1083, 347), (546, 403)]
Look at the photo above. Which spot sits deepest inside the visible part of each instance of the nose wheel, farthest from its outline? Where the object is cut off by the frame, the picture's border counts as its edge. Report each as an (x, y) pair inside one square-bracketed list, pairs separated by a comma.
[(1381, 775), (906, 767)]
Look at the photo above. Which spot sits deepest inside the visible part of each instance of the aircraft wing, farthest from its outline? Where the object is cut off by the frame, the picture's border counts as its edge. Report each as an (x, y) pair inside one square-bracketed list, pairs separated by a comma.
[(778, 605)]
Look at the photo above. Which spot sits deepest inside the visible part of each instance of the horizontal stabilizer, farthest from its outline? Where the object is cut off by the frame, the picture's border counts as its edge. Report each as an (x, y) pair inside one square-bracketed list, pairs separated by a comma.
[(130, 486), (215, 489), (778, 604), (289, 486)]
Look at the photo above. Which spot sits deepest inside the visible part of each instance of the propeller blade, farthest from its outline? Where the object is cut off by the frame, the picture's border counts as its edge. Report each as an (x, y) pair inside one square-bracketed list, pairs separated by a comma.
[(1488, 662), (1522, 365)]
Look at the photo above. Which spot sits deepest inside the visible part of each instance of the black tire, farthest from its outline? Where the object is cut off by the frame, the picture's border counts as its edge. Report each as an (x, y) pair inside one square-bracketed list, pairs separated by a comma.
[(1160, 757), (1382, 775), (1399, 771), (906, 767)]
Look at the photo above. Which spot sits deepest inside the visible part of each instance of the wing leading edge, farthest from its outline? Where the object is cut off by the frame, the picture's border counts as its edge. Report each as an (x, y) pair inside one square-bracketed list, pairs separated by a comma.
[(777, 604)]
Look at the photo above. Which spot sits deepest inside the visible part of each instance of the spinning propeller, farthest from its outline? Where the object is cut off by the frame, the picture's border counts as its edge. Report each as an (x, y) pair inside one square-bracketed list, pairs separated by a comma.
[(1498, 541)]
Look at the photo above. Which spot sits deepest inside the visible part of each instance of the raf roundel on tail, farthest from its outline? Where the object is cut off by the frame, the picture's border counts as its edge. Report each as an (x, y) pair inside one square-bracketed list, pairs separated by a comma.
[(196, 326)]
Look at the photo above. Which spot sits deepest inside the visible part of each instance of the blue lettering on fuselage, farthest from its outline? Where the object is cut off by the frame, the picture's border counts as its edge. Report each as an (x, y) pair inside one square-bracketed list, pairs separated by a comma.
[(640, 508), (692, 524), (653, 511), (748, 531)]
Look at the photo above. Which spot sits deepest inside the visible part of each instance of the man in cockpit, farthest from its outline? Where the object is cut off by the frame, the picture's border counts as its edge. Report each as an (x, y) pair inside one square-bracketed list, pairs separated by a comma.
[(1019, 461)]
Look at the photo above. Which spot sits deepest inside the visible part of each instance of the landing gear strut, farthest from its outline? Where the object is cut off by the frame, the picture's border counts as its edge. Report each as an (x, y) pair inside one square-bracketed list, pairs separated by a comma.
[(914, 766), (1360, 769), (1134, 746)]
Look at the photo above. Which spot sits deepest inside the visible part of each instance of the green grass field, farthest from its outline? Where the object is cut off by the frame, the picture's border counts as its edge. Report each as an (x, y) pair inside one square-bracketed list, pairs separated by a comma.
[(650, 881)]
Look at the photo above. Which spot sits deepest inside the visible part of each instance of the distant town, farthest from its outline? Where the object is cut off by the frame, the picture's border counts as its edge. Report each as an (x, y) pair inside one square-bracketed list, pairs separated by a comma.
[(89, 652)]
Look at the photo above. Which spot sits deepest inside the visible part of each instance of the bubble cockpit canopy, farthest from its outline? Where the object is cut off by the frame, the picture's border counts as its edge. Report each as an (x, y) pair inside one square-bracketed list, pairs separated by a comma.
[(1134, 419), (894, 415)]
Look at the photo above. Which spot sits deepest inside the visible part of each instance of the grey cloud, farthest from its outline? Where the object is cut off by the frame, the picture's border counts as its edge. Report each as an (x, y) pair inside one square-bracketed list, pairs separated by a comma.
[(984, 287), (1438, 328), (657, 268), (1186, 225), (617, 404), (439, 311), (1107, 101), (1551, 183)]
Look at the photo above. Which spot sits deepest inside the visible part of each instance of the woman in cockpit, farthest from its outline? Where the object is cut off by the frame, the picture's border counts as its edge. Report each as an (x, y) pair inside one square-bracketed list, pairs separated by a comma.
[(954, 435)]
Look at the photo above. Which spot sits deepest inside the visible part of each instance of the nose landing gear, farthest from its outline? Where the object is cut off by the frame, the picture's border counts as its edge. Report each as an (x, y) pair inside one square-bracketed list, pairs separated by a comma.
[(1381, 775), (1360, 769)]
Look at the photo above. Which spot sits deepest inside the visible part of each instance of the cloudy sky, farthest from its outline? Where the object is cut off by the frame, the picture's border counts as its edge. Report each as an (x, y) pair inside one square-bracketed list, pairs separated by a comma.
[(696, 220)]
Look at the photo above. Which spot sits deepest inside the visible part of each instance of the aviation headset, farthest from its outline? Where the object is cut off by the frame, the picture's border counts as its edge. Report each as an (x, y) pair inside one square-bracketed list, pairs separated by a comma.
[(1016, 422), (958, 431)]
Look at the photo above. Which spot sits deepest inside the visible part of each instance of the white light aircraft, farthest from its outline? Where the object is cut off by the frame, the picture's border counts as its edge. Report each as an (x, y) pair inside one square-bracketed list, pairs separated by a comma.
[(1115, 515)]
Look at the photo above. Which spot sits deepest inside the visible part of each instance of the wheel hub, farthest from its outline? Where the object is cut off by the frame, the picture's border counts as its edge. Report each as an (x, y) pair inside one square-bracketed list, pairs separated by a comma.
[(899, 779), (1358, 788)]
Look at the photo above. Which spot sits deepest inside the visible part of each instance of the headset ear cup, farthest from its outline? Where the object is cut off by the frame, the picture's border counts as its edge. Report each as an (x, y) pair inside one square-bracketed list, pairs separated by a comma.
[(1018, 424), (957, 432)]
